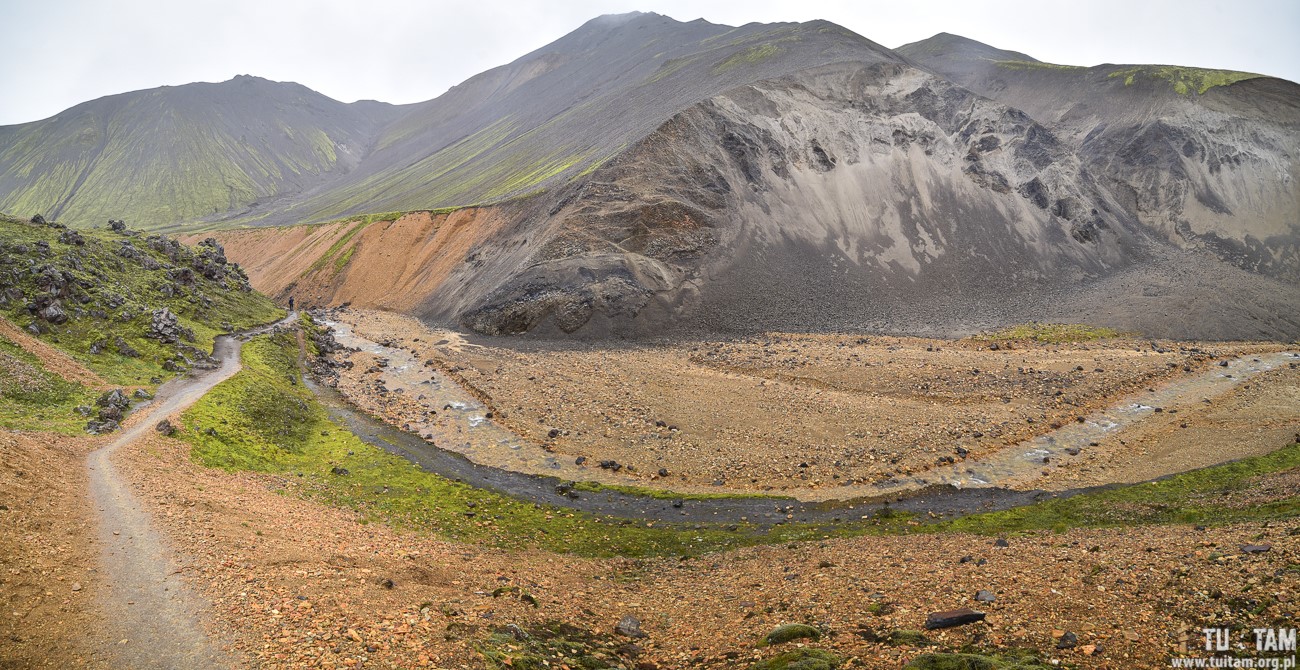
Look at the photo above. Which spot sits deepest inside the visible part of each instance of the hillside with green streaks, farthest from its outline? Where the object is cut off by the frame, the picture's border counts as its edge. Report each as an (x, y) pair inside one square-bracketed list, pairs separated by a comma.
[(174, 154)]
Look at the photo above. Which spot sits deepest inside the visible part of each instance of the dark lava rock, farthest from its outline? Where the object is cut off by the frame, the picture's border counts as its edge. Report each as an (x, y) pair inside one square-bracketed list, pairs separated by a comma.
[(1068, 641), (54, 313), (165, 427), (950, 618), (1256, 548), (165, 327), (114, 398), (101, 427), (124, 348), (339, 471), (629, 626), (1001, 542)]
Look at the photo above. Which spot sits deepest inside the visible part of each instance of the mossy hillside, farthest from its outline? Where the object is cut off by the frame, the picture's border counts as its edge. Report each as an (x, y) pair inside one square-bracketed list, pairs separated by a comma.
[(264, 420), (106, 295), (1184, 80), (32, 398)]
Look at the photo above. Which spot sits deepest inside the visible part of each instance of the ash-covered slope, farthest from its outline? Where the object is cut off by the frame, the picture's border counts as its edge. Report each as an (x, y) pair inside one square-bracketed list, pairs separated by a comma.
[(1208, 159), (173, 154), (884, 196)]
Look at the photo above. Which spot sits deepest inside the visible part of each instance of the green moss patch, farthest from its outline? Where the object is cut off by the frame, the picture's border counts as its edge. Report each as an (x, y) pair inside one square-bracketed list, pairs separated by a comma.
[(31, 398), (748, 56), (554, 645), (1184, 80), (1027, 660), (790, 632), (1051, 333), (800, 659)]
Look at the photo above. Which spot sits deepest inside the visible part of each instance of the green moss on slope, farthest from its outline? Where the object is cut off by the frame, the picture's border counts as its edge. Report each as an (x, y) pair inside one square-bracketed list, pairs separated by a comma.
[(32, 398), (106, 295), (1184, 80)]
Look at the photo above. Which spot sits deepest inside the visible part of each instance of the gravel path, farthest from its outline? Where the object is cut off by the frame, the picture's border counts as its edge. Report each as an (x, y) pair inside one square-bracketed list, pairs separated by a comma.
[(154, 615)]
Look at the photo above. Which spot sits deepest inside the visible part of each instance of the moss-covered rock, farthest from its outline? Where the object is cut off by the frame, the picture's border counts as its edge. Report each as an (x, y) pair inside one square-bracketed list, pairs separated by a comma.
[(800, 659), (792, 631)]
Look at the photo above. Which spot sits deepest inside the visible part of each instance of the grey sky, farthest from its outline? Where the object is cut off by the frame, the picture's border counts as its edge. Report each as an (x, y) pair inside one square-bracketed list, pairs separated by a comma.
[(58, 53)]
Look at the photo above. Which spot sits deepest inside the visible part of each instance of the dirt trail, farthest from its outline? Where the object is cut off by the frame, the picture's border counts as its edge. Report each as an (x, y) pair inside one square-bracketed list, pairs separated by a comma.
[(153, 613)]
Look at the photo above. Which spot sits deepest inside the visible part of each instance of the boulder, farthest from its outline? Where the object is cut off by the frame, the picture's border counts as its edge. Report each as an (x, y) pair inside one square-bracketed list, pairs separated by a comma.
[(113, 398), (165, 327), (629, 626), (792, 631), (54, 313), (950, 618)]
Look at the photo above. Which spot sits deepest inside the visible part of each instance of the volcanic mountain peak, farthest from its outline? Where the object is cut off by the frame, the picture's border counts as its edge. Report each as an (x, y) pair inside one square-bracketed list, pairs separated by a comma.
[(955, 47)]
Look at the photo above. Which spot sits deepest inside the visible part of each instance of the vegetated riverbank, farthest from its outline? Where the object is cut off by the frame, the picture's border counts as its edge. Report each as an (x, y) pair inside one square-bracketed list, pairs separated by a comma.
[(266, 420)]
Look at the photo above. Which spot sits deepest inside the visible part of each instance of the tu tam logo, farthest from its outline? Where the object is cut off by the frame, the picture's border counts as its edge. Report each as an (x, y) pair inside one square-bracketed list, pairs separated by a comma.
[(1266, 639)]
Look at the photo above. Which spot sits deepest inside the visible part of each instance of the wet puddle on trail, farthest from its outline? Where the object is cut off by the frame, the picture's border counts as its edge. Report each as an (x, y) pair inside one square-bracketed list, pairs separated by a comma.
[(462, 425)]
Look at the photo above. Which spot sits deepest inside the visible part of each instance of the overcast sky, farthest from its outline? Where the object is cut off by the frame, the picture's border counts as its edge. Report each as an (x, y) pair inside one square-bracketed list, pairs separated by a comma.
[(58, 53)]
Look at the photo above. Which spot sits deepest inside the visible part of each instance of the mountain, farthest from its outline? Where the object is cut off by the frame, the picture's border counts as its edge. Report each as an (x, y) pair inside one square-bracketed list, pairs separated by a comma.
[(1204, 158), (561, 111), (181, 153), (641, 175)]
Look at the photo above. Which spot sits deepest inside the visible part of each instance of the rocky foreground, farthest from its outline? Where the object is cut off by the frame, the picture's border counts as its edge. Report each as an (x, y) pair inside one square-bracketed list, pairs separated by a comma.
[(297, 584)]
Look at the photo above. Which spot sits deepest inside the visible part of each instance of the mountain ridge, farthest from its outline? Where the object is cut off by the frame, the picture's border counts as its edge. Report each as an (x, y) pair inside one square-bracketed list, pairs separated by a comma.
[(642, 174)]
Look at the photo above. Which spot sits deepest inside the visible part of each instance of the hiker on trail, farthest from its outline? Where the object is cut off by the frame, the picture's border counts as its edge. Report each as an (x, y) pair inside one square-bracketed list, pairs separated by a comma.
[(290, 303)]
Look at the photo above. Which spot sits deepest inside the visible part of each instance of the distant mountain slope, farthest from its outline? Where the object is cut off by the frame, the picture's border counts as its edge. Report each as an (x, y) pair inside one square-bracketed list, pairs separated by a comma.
[(181, 153), (1207, 158), (560, 111)]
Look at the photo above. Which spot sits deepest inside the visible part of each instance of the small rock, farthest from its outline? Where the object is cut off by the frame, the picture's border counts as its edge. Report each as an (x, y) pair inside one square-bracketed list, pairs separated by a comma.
[(339, 471), (1001, 542), (629, 626), (1256, 548), (76, 586), (985, 596), (1068, 641), (166, 428), (950, 618)]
